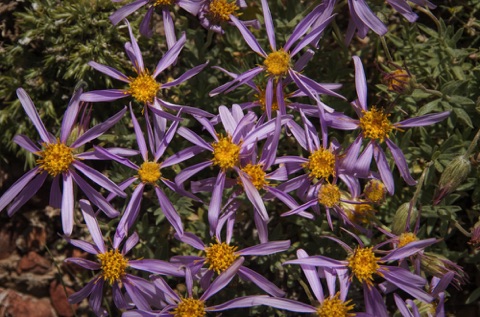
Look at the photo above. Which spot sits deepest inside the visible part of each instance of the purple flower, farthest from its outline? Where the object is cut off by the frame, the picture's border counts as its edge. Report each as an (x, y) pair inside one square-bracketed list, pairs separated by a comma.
[(376, 128), (278, 65), (191, 6), (144, 87), (213, 14), (363, 264), (113, 264), (149, 173), (61, 161), (242, 133), (219, 256)]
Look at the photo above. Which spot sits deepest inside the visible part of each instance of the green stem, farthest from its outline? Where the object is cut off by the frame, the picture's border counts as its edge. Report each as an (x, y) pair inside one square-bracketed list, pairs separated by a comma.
[(61, 279), (385, 48), (472, 145), (461, 229), (431, 16)]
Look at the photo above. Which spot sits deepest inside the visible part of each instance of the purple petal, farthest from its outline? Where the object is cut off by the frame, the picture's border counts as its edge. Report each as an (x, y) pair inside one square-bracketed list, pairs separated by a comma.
[(142, 146), (320, 261), (188, 172), (92, 225), (404, 9), (87, 264), (103, 95), (216, 201), (191, 239), (266, 248), (401, 162), (384, 169), (99, 178), (366, 15), (312, 36), (25, 194), (135, 295), (407, 281), (223, 279), (107, 154), (279, 303), (26, 143), (194, 138), (107, 70), (95, 197), (126, 10), (85, 246), (157, 267), (99, 129), (253, 195), (18, 186), (169, 211), (249, 37), (187, 75), (269, 25), (55, 199), (360, 82), (70, 116), (83, 293), (312, 277), (130, 215), (171, 56), (32, 113), (168, 27), (409, 249), (130, 243), (259, 280), (422, 121), (67, 204)]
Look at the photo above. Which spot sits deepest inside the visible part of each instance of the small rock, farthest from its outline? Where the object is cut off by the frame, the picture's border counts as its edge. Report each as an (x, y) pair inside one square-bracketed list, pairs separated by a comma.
[(20, 305), (34, 263), (59, 299)]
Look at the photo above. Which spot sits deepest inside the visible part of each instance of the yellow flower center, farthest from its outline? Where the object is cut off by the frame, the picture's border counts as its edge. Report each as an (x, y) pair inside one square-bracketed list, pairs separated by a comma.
[(190, 307), (335, 307), (405, 238), (256, 174), (149, 172), (363, 264), (375, 124), (329, 195), (113, 265), (56, 158), (321, 164), (226, 154), (220, 256), (220, 10), (163, 2), (277, 63), (397, 80), (263, 101), (362, 213), (143, 88), (375, 191)]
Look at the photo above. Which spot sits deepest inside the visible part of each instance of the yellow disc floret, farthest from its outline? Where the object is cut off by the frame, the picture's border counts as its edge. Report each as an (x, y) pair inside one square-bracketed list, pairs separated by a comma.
[(56, 158), (143, 88), (220, 10), (226, 154), (321, 164), (113, 265), (149, 172), (375, 191), (398, 80), (277, 63), (375, 124), (335, 307), (261, 99), (405, 238), (220, 256), (329, 195), (256, 174), (163, 2), (190, 307), (364, 264)]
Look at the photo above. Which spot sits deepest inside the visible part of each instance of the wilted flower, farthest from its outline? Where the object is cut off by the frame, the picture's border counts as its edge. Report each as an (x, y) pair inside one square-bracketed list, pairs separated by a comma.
[(61, 161), (214, 14), (455, 173)]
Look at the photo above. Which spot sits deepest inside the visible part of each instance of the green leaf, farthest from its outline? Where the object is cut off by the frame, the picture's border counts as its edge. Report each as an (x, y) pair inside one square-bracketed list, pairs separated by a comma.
[(473, 296), (463, 116)]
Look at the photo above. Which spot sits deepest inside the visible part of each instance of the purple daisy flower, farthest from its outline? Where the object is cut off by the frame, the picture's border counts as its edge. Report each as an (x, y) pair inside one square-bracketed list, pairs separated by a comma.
[(278, 65), (150, 173), (363, 264), (214, 14), (219, 256), (376, 128), (191, 6), (62, 162), (144, 87), (113, 264), (227, 151)]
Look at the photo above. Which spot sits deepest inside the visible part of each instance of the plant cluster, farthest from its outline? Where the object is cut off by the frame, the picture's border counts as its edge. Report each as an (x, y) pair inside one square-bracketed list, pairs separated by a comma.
[(251, 155)]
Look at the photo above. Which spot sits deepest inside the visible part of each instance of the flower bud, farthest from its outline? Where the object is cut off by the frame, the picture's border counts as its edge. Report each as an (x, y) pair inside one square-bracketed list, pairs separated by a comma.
[(475, 235), (399, 222), (453, 175), (438, 265)]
